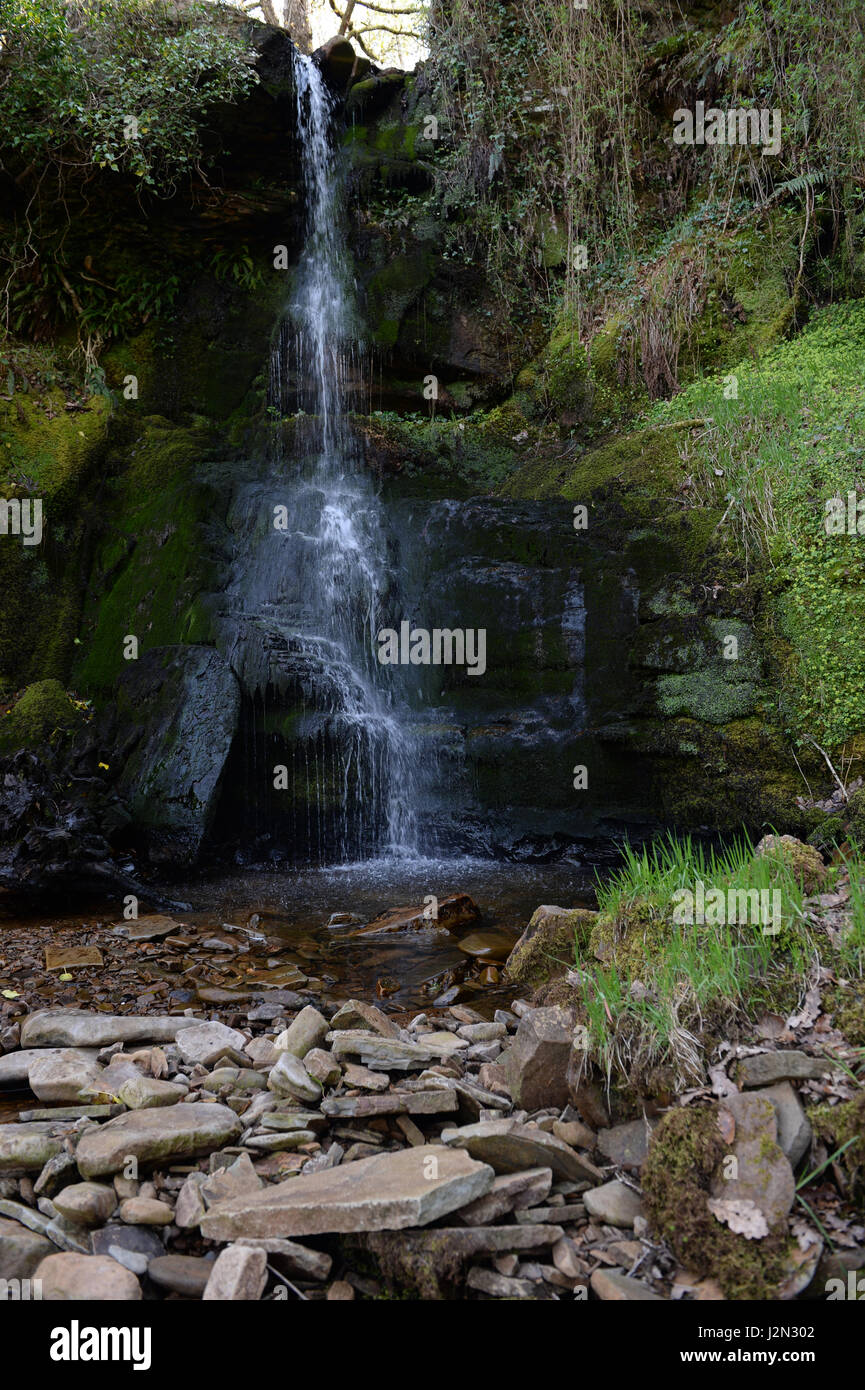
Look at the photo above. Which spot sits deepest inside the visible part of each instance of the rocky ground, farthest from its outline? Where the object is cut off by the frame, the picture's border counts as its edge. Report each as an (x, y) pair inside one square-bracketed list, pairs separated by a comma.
[(290, 1144)]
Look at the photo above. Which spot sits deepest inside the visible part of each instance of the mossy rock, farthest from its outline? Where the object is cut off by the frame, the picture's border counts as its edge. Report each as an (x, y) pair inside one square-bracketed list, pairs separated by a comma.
[(843, 1124), (42, 714), (829, 833), (856, 817), (631, 939), (550, 944), (685, 1153), (804, 861)]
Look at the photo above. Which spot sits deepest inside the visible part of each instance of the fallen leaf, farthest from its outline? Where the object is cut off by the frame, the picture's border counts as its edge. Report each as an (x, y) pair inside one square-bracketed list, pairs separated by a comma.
[(727, 1125), (742, 1216)]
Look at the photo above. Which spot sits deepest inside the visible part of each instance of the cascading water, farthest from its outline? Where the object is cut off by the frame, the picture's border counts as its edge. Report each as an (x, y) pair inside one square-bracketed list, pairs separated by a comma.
[(311, 587)]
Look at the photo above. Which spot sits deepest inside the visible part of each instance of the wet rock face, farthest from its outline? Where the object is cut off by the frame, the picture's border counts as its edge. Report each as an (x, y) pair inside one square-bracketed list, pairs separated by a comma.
[(177, 715)]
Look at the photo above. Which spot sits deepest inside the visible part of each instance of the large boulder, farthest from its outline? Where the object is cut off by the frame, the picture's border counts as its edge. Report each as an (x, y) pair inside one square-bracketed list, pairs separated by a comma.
[(178, 710), (537, 1060)]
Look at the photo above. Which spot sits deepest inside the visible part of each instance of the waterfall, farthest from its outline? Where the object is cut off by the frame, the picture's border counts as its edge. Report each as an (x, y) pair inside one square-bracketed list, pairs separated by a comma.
[(311, 587)]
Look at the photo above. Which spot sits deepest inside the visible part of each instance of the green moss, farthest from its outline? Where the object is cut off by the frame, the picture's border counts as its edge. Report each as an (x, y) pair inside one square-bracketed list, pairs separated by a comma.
[(50, 453), (43, 713), (549, 946), (630, 939), (803, 860), (685, 1153), (705, 695), (838, 1125), (391, 291), (151, 569)]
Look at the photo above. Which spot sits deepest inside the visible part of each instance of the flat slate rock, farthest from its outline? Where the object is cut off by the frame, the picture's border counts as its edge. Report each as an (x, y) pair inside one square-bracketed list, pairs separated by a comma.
[(25, 1148), (766, 1068), (614, 1286), (80, 1028), (391, 1054), (394, 1103), (627, 1145), (147, 928), (15, 1066), (386, 1193), (167, 1132), (613, 1203), (72, 957), (207, 1042), (510, 1147)]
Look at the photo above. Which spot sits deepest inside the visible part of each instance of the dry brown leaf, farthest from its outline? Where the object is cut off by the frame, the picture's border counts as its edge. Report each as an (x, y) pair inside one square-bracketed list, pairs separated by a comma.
[(742, 1216)]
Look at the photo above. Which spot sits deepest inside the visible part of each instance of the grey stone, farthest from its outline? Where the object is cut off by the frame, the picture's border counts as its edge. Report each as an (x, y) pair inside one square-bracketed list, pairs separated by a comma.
[(15, 1066), (166, 1133), (235, 1180), (68, 1074), (509, 1192), (78, 1028), (499, 1285), (21, 1250), (262, 1053), (355, 1014), (186, 1275), (25, 1148), (141, 1241), (291, 1258), (392, 1054), (89, 1203), (762, 1173), (794, 1130), (290, 1078), (308, 1030), (537, 1059), (323, 1067), (627, 1145), (613, 1285), (144, 1211), (766, 1068), (614, 1204), (207, 1042), (145, 1093), (510, 1147), (239, 1274), (189, 1208), (388, 1192), (438, 1102)]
